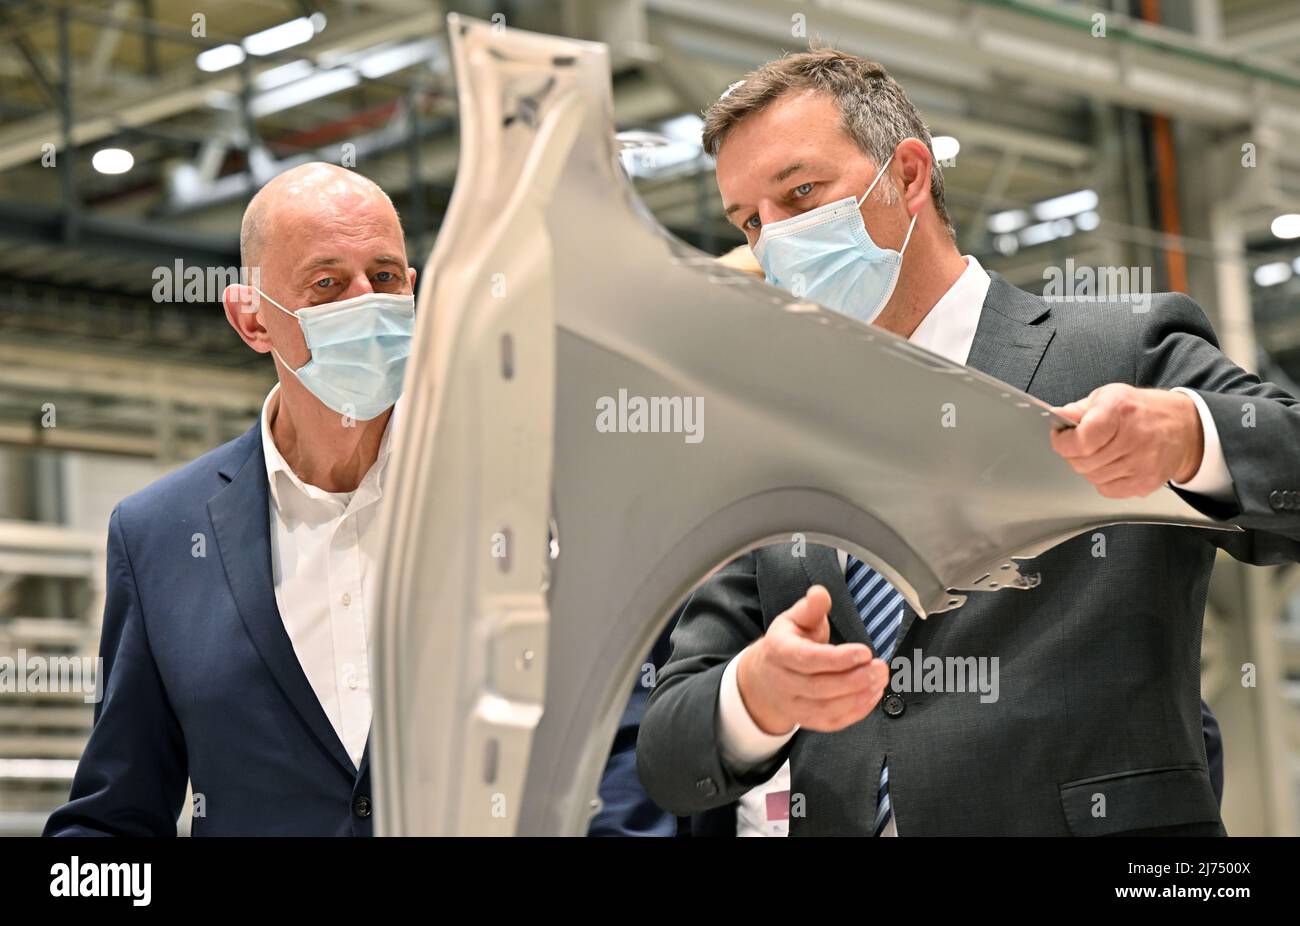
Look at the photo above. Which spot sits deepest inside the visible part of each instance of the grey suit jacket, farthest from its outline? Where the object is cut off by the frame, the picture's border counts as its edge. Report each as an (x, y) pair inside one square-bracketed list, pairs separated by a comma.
[(1097, 726)]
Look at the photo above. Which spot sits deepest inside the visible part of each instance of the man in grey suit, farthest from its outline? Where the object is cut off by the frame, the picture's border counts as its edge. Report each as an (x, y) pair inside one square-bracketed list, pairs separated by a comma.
[(1069, 708)]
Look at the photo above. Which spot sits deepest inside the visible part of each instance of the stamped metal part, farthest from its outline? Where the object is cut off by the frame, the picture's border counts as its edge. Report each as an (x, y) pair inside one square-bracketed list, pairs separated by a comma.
[(502, 663)]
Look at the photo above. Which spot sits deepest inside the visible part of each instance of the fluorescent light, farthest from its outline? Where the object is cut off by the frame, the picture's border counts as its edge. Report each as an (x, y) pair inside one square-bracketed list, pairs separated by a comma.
[(1002, 222), (112, 161), (1087, 221), (1064, 206), (1287, 226), (318, 21), (945, 147), (1007, 244), (1040, 233), (1272, 274), (278, 38), (320, 84), (284, 74), (220, 58), (1296, 265), (388, 60)]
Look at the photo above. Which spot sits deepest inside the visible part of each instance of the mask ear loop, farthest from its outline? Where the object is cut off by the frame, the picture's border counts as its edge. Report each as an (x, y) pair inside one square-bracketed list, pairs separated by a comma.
[(908, 236), (272, 301), (874, 182), (910, 226), (283, 362)]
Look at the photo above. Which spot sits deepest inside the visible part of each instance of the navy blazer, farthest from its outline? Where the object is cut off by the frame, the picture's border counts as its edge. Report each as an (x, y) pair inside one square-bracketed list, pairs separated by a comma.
[(200, 679)]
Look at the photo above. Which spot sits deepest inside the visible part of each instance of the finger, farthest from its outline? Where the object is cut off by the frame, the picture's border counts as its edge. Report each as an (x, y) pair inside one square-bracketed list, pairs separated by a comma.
[(808, 614), (831, 686), (1073, 410), (808, 658), (1113, 454), (1093, 433), (830, 716), (1123, 468)]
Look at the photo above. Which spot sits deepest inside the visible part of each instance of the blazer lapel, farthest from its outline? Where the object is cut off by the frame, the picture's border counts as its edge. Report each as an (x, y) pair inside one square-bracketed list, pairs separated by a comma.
[(1009, 343), (241, 521), (822, 567)]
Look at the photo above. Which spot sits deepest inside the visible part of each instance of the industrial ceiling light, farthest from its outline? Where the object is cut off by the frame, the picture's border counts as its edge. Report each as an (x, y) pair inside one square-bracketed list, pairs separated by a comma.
[(1272, 274), (112, 160), (220, 58), (945, 147), (1001, 223), (1287, 226), (278, 38), (1062, 207)]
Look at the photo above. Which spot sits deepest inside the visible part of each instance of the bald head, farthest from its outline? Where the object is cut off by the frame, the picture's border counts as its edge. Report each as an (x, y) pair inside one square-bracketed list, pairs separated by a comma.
[(315, 234), (303, 196)]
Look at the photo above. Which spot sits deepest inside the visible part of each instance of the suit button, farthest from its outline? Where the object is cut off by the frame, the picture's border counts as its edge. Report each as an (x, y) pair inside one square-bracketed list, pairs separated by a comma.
[(1293, 499), (361, 807), (894, 704), (707, 787), (1276, 500)]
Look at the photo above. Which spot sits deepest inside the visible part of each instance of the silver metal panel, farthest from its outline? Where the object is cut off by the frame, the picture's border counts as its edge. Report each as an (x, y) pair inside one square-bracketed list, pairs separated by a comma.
[(500, 679)]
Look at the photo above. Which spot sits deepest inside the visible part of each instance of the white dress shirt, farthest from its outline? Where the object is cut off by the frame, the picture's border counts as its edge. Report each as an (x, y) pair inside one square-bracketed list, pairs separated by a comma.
[(324, 562), (948, 329)]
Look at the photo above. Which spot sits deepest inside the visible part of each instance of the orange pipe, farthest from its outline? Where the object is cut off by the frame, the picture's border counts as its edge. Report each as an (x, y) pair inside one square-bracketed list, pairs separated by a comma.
[(1171, 219)]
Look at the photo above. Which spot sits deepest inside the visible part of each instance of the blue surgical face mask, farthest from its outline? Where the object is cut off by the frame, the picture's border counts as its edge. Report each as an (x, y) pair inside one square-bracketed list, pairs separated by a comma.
[(825, 255), (358, 351)]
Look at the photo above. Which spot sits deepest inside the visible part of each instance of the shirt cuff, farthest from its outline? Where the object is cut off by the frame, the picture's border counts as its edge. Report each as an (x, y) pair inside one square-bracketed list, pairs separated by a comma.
[(742, 742), (1212, 479)]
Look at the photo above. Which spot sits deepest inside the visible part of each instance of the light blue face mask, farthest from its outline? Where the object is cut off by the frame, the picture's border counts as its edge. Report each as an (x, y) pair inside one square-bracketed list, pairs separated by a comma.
[(825, 255), (358, 351)]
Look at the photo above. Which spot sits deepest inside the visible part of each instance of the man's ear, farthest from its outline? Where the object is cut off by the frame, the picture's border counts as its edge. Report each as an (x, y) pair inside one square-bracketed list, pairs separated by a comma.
[(913, 163), (410, 277), (242, 302)]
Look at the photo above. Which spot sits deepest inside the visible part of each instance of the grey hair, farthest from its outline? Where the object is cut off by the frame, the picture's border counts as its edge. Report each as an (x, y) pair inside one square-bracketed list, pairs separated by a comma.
[(874, 110)]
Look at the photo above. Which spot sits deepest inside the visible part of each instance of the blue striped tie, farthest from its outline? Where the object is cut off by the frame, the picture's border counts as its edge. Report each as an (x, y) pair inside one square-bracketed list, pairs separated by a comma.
[(881, 607)]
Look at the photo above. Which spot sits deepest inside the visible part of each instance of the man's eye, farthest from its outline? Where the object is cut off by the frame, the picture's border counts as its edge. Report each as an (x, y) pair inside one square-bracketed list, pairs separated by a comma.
[(324, 283), (752, 222), (803, 189), (385, 276)]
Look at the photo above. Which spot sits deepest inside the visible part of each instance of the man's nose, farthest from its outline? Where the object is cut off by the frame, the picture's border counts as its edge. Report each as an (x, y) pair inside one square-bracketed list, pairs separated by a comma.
[(360, 286), (769, 212)]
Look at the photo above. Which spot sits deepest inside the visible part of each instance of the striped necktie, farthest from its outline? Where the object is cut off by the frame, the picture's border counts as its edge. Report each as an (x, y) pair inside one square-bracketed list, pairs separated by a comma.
[(881, 607)]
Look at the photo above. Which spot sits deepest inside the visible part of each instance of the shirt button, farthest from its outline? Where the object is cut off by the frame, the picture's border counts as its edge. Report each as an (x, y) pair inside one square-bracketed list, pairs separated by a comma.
[(350, 675), (707, 787), (346, 599)]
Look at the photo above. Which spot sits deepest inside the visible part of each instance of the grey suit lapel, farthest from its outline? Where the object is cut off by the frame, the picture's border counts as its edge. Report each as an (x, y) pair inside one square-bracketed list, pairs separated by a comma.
[(1009, 341), (822, 567)]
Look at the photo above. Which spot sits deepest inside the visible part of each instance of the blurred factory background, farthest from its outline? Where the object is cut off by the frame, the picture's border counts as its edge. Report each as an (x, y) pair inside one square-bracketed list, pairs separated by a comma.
[(1159, 135)]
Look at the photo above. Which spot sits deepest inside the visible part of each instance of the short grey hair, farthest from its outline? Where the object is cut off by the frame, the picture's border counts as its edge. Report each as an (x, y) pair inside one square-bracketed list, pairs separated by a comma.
[(874, 110)]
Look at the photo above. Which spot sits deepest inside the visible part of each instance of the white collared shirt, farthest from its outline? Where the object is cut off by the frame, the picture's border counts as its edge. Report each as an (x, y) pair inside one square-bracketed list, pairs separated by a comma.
[(948, 329), (324, 564)]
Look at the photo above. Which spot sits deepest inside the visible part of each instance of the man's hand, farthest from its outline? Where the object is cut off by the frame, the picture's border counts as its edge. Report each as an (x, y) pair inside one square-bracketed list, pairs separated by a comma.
[(792, 675), (1129, 442)]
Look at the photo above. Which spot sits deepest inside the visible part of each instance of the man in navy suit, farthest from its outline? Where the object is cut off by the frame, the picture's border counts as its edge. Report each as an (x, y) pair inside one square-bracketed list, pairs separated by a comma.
[(236, 627)]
